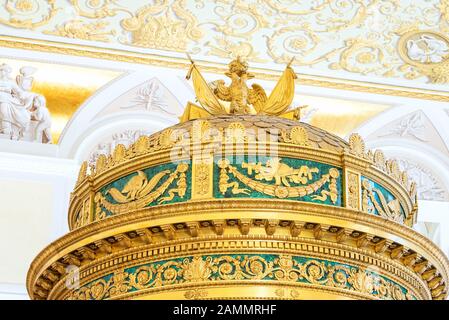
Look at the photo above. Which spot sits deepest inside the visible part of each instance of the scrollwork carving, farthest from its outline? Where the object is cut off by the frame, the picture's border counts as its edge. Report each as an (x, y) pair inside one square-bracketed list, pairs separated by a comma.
[(213, 269)]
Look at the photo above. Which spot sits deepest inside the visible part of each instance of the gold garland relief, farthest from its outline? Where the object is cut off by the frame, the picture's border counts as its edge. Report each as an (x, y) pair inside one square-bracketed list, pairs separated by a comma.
[(283, 175)]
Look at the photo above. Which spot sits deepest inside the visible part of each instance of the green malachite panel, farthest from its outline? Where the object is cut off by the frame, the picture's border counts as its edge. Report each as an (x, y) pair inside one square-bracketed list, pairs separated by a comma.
[(387, 195), (246, 267), (150, 172), (292, 162)]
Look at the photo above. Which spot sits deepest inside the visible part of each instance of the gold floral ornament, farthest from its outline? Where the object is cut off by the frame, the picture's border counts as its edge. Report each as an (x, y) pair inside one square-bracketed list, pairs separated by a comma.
[(218, 99), (78, 29), (283, 176), (357, 145), (425, 53), (195, 294), (32, 13), (162, 26), (140, 191), (197, 269), (297, 135)]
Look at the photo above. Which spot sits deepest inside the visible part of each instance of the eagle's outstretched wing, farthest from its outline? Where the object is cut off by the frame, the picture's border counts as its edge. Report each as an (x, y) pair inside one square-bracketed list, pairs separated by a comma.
[(221, 90), (257, 97), (282, 95)]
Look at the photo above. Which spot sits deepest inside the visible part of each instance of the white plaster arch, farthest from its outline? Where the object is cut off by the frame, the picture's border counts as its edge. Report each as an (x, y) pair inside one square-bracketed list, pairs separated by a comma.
[(102, 129), (85, 122), (435, 113), (421, 153), (377, 122)]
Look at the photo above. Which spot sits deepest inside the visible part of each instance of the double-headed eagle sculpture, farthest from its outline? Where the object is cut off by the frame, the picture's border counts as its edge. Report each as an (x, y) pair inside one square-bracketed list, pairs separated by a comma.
[(216, 98)]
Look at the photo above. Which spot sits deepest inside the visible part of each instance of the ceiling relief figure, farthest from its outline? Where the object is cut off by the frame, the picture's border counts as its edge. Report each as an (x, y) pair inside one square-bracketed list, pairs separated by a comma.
[(409, 126), (150, 98), (425, 53), (23, 113), (428, 185), (416, 127), (427, 49)]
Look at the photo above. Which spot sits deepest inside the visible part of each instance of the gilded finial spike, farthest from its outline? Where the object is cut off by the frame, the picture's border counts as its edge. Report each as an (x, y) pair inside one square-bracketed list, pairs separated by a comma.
[(189, 73)]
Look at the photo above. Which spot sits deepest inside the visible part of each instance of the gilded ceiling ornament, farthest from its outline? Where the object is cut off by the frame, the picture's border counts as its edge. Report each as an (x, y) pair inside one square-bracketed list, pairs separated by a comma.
[(78, 29), (358, 36), (240, 20), (427, 52), (28, 14), (97, 9), (300, 42), (364, 57), (226, 48), (162, 26)]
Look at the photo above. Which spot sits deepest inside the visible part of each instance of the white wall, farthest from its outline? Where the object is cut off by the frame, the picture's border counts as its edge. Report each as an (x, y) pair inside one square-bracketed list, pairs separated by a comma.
[(34, 194)]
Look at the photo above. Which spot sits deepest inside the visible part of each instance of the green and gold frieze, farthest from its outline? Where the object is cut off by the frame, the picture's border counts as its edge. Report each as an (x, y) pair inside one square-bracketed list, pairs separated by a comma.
[(217, 268), (162, 184), (240, 176), (377, 200), (252, 176)]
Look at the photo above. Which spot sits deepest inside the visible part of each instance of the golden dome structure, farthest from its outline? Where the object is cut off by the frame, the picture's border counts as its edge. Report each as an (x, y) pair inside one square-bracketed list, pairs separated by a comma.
[(241, 201)]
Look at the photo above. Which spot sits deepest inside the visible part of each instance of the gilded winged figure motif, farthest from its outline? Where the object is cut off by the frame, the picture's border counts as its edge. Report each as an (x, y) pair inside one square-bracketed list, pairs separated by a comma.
[(217, 98), (282, 173), (136, 187)]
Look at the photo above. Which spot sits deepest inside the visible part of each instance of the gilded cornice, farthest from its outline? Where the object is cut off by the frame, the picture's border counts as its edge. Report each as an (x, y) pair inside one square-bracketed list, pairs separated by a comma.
[(241, 209), (182, 63), (279, 243), (255, 244)]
